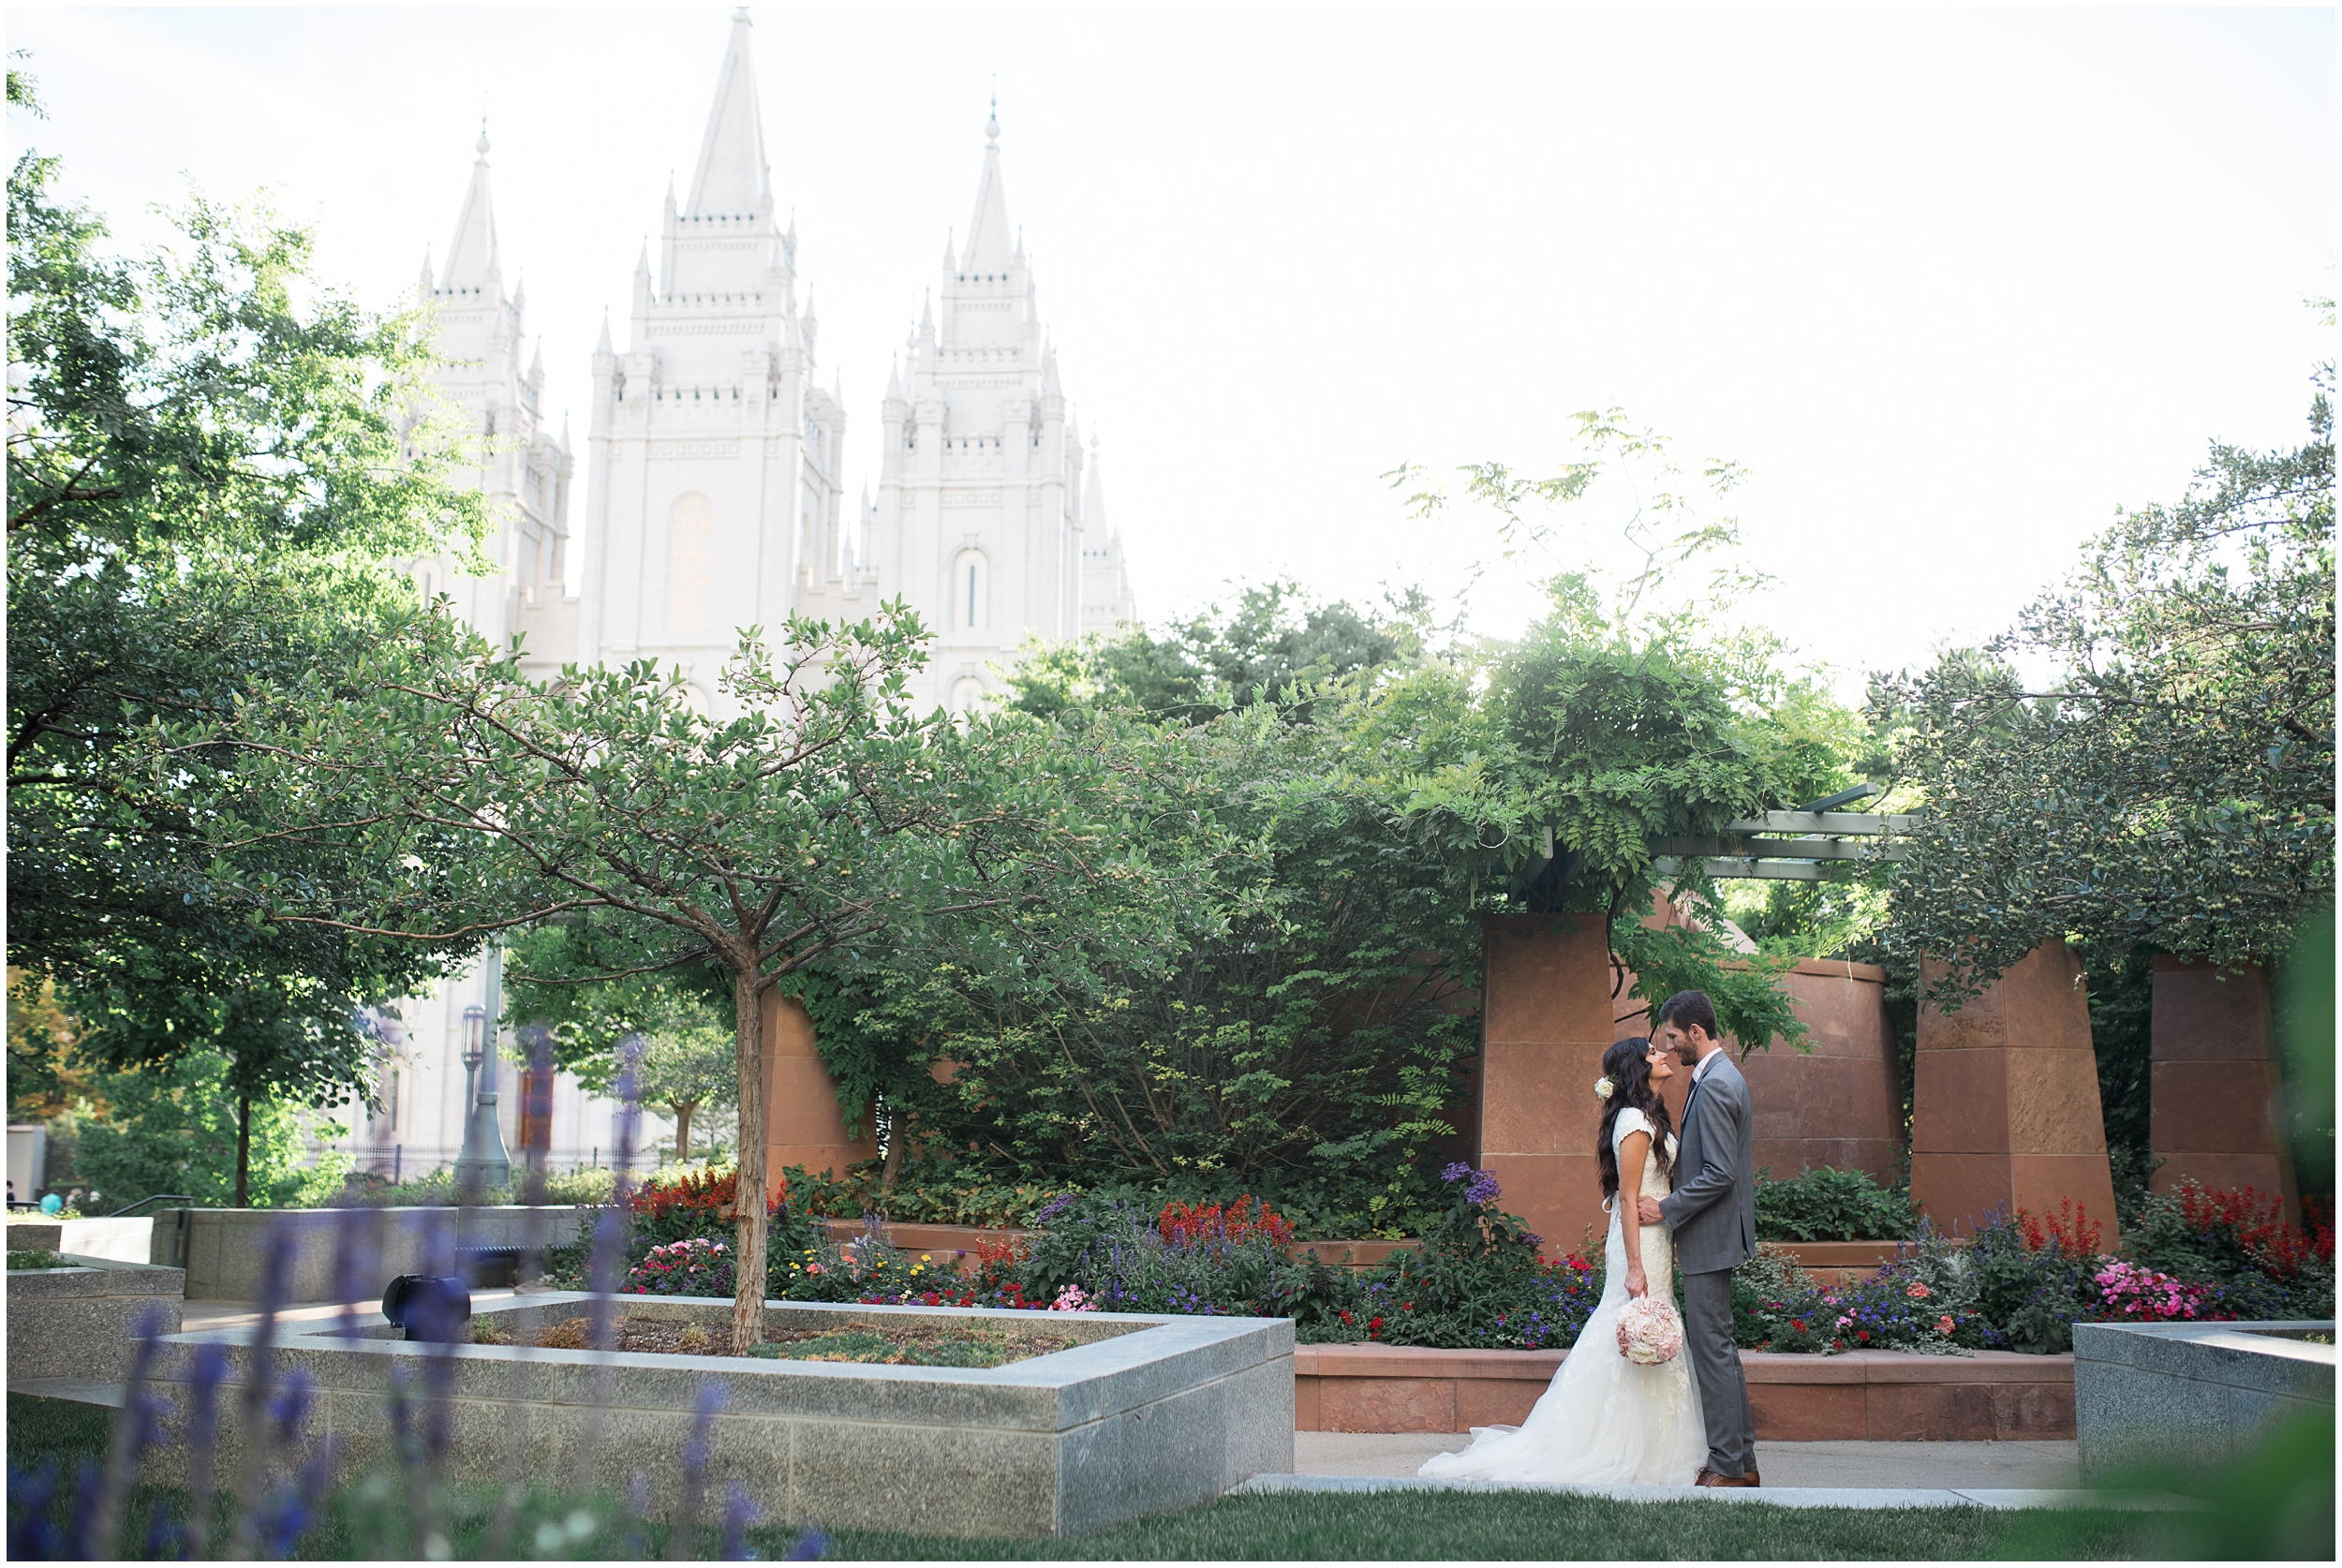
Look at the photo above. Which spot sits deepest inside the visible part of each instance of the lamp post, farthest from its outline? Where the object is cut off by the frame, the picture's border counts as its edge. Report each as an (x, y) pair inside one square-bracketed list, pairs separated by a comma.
[(475, 1018), (483, 1160)]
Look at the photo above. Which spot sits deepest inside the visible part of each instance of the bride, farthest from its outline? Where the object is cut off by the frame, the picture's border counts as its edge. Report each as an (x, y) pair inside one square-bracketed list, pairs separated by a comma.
[(1605, 1418)]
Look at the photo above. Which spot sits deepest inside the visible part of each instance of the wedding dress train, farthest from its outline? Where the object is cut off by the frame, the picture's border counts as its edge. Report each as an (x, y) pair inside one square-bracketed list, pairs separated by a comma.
[(1602, 1418)]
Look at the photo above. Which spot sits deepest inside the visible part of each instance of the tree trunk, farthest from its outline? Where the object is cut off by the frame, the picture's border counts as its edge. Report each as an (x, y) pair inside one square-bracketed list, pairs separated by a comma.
[(748, 1301), (682, 1109), (244, 1151)]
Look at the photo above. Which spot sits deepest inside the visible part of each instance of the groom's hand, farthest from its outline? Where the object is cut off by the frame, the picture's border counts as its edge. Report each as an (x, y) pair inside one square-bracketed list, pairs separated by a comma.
[(1647, 1210)]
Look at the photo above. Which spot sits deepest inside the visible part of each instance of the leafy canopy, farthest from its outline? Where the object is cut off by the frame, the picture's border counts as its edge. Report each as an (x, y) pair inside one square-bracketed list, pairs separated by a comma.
[(210, 458), (2171, 783)]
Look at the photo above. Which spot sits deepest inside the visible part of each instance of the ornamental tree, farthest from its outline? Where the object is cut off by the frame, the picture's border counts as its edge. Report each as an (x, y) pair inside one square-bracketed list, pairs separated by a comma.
[(826, 814), (2167, 782)]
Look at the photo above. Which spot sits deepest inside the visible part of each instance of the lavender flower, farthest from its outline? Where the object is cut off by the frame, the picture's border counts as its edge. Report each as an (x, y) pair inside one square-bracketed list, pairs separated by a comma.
[(740, 1511), (1456, 1172), (1483, 1189), (713, 1397)]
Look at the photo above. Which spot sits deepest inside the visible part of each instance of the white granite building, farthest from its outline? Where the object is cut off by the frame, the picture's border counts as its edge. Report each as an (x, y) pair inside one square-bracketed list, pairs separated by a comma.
[(715, 498)]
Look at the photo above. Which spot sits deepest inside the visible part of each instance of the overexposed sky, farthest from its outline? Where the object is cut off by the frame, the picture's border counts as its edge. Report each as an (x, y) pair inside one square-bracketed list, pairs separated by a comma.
[(1951, 285)]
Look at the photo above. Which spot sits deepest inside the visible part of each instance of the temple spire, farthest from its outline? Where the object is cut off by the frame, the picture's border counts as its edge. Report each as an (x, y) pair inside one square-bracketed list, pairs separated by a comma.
[(991, 242), (732, 180), (471, 260)]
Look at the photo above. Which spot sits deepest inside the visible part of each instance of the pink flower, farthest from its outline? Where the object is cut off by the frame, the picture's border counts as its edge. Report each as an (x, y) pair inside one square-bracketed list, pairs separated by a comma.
[(1943, 1324)]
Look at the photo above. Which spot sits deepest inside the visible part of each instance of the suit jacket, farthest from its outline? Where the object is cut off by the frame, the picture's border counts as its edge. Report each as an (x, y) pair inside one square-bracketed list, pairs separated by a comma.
[(1712, 1210)]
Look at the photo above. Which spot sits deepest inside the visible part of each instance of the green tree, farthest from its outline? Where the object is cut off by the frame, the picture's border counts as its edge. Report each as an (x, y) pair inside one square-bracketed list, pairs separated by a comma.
[(824, 815), (675, 1029), (2168, 786), (177, 1129), (1275, 639), (209, 457)]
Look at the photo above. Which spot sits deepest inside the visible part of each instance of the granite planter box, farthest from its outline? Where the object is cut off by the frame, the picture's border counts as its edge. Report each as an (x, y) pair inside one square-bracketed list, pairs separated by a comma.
[(1877, 1395), (1147, 1414), (225, 1250), (75, 1323), (2192, 1394)]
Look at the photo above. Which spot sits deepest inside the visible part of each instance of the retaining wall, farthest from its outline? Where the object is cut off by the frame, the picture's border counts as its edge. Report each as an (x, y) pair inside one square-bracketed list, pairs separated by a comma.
[(226, 1249), (1878, 1395), (75, 1323)]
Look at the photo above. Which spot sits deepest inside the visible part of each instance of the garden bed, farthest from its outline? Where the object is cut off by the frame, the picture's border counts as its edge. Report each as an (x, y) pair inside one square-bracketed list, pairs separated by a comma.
[(1143, 1414), (919, 1343)]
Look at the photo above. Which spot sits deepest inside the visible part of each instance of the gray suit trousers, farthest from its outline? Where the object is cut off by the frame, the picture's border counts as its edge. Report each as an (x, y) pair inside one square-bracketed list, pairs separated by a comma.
[(1716, 1364)]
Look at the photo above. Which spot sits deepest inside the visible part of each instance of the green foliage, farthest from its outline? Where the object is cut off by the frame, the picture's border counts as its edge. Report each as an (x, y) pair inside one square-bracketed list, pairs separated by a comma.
[(1824, 1205), (1277, 646), (211, 457), (1297, 1028), (441, 1189), (2171, 786), (172, 1128), (2303, 991), (2121, 989), (32, 1259), (1477, 1281)]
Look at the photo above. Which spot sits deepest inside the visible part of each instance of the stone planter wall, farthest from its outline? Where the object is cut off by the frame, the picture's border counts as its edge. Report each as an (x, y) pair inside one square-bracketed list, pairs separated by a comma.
[(2192, 1394), (1878, 1395), (75, 1323), (1148, 1416), (227, 1249)]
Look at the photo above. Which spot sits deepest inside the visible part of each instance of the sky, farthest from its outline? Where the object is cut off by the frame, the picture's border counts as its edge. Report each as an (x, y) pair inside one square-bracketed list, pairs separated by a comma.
[(1951, 286)]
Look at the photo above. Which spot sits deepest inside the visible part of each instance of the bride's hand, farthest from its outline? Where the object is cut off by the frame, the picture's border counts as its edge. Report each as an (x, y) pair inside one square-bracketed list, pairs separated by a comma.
[(1638, 1286)]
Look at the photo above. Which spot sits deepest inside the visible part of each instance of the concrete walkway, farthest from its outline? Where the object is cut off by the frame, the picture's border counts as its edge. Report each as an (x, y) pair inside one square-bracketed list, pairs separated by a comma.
[(1846, 1475), (2038, 1464)]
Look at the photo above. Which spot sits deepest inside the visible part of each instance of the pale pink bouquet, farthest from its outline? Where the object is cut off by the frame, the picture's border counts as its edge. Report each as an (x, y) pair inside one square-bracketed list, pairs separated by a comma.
[(1649, 1333)]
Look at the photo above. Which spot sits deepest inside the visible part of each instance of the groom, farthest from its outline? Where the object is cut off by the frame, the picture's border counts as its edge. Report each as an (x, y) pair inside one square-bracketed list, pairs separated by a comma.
[(1713, 1212)]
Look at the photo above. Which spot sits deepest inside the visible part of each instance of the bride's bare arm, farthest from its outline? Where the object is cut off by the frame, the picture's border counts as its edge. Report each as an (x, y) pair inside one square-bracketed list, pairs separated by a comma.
[(1633, 1150)]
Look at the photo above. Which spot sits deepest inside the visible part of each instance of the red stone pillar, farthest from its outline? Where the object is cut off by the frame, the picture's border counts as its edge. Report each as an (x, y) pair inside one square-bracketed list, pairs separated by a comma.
[(1838, 1102), (802, 1123), (2005, 1100), (1546, 1021), (2213, 1115)]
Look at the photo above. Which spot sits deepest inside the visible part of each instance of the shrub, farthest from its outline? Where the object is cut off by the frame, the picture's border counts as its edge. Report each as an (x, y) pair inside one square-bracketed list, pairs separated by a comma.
[(1922, 1300), (2033, 1280), (1826, 1205), (2238, 1243), (1476, 1280)]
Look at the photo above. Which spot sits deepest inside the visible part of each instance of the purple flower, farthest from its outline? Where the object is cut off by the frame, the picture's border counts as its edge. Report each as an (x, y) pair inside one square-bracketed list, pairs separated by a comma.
[(1456, 1172), (1483, 1189)]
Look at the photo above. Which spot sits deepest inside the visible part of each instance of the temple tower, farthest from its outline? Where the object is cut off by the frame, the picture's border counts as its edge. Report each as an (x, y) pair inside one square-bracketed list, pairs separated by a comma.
[(979, 518), (712, 497), (523, 467)]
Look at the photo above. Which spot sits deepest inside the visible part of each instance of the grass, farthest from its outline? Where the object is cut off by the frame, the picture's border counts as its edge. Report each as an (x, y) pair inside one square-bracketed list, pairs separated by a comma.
[(1385, 1526), (1559, 1527)]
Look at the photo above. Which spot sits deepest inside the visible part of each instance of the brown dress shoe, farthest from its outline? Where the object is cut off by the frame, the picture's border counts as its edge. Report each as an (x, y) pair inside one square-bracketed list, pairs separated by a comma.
[(1710, 1478)]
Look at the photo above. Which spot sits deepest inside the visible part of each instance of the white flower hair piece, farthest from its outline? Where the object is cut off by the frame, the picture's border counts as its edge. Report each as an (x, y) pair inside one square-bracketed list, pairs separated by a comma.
[(1604, 1087)]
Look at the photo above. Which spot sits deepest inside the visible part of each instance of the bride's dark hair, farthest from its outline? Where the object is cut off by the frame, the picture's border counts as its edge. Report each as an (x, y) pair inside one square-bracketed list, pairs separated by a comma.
[(1627, 1065)]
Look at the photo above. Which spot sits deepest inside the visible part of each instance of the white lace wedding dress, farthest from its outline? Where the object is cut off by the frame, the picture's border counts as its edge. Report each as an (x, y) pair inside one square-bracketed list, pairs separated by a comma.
[(1602, 1418)]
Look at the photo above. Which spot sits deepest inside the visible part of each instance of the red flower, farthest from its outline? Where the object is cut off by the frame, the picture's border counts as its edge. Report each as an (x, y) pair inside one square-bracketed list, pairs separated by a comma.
[(1375, 1325), (1863, 1333)]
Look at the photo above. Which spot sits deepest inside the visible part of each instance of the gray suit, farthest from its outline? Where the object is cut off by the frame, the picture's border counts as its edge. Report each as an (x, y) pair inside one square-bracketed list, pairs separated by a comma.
[(1713, 1214)]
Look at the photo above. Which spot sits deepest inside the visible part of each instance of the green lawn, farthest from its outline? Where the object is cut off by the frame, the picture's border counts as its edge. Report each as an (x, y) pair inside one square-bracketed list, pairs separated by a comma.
[(1387, 1526)]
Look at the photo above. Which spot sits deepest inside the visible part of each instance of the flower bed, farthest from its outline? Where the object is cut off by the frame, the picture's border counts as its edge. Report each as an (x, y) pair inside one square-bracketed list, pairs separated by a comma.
[(1475, 1278)]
